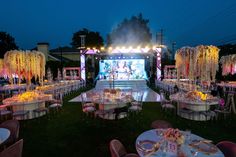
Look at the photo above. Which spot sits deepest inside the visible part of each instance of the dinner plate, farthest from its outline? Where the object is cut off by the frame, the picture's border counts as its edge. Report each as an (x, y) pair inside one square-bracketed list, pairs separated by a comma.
[(146, 145), (205, 147)]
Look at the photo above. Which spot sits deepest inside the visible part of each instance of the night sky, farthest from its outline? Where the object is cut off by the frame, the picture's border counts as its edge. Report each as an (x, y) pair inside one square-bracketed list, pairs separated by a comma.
[(186, 22)]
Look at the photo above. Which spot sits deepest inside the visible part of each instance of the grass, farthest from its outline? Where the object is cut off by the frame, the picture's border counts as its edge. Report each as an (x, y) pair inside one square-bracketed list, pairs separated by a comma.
[(70, 133)]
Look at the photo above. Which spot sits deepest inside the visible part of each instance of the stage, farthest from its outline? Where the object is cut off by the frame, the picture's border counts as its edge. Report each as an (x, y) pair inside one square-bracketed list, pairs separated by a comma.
[(135, 85)]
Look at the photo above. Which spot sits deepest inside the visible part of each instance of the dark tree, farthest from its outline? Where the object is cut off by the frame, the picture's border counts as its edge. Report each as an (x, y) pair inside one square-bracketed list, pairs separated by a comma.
[(133, 31), (92, 39), (7, 42)]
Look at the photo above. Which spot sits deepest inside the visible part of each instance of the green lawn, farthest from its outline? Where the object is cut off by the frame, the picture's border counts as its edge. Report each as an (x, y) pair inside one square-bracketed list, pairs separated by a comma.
[(70, 133)]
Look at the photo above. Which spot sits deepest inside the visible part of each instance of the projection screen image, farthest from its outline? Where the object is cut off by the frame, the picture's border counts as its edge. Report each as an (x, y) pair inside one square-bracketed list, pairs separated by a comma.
[(122, 69)]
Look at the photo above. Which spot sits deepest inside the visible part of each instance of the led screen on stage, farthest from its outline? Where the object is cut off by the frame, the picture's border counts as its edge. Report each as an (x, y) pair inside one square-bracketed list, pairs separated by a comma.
[(122, 69)]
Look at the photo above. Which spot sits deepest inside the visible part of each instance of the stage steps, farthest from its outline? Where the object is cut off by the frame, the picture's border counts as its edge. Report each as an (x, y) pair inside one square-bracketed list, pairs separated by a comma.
[(122, 84)]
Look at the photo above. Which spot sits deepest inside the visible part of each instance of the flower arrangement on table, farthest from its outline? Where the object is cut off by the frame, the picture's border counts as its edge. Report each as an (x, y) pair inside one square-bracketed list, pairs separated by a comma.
[(28, 97), (174, 135), (46, 87), (197, 95)]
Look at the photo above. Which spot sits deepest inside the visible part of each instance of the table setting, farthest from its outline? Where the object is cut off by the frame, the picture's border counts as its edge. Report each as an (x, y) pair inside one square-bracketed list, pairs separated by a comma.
[(174, 143)]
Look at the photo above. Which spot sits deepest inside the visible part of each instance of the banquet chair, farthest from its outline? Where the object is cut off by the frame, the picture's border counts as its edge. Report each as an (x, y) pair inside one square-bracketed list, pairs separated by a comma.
[(222, 109), (40, 110), (211, 115), (120, 112), (14, 127), (4, 113), (87, 107), (55, 105), (161, 124), (117, 149), (20, 113), (166, 105), (136, 106), (228, 148), (15, 150), (104, 113)]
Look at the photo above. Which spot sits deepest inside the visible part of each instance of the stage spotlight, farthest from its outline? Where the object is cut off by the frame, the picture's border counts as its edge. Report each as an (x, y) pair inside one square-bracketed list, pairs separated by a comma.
[(110, 48), (88, 48), (102, 48)]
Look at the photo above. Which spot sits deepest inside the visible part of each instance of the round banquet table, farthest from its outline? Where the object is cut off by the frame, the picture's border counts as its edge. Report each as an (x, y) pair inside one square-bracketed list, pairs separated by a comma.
[(154, 135), (4, 134), (197, 106), (112, 104), (28, 106)]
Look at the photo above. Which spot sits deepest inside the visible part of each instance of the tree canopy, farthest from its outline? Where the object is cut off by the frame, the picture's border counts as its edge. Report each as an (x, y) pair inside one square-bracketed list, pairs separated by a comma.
[(7, 42), (133, 31), (92, 39)]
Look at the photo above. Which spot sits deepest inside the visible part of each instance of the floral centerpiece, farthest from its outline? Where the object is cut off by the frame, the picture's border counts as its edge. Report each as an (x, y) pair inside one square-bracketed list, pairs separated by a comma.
[(174, 135), (44, 88), (197, 95), (28, 97)]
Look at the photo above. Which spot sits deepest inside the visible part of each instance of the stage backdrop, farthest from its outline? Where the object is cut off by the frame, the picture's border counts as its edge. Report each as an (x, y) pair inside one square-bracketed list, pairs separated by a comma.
[(122, 69)]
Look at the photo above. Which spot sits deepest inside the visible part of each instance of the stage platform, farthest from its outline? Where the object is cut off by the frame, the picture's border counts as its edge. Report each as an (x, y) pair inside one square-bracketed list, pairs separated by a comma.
[(122, 84), (136, 85)]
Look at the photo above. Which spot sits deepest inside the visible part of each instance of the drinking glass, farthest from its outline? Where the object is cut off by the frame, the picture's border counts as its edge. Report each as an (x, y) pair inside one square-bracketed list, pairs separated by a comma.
[(187, 136), (163, 148)]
